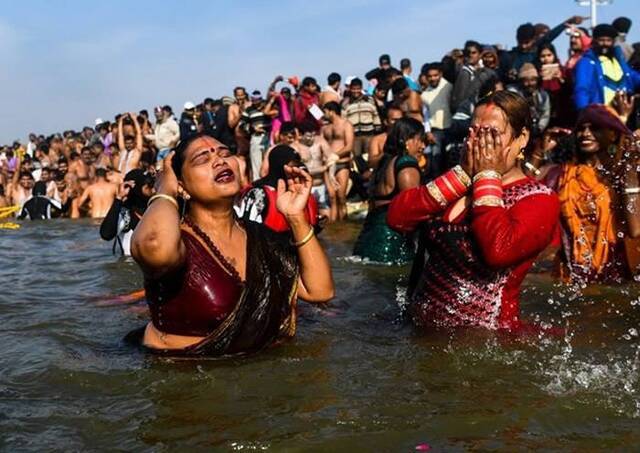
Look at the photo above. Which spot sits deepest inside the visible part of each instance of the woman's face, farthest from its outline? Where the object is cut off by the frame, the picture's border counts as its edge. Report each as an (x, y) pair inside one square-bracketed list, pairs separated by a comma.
[(546, 57), (415, 146), (209, 172), (492, 116), (593, 139)]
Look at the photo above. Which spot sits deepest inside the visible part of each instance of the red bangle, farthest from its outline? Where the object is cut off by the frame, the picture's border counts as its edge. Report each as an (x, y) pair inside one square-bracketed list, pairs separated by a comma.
[(487, 191), (455, 183), (446, 189)]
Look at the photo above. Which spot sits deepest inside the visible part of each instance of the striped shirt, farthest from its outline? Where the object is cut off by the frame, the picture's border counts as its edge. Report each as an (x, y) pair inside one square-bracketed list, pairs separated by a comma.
[(254, 121), (363, 115)]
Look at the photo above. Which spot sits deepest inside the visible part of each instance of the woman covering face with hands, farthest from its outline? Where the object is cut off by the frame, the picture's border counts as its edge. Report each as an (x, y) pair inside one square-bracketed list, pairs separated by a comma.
[(216, 285), (483, 224)]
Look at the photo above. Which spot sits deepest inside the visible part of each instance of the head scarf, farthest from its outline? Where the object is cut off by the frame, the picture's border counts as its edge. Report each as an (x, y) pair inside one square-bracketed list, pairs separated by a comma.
[(602, 117)]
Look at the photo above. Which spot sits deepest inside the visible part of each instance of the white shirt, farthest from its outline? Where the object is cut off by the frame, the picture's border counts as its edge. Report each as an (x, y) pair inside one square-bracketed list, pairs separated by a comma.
[(437, 100)]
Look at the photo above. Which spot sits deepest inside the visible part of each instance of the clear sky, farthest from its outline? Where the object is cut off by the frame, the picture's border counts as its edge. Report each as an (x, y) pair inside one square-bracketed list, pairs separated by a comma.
[(65, 63)]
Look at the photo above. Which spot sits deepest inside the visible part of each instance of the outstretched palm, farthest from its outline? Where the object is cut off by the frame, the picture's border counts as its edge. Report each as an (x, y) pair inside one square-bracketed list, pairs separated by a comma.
[(293, 194)]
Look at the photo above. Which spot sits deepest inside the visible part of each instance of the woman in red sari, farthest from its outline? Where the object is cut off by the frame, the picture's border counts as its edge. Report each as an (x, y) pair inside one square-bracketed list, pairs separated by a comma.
[(483, 224)]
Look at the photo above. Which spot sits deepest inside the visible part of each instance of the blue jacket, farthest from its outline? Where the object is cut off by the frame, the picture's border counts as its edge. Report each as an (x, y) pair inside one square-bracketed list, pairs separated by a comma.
[(589, 79)]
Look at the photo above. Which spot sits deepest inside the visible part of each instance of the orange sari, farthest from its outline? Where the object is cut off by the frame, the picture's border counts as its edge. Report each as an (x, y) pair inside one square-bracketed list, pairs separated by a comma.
[(586, 208)]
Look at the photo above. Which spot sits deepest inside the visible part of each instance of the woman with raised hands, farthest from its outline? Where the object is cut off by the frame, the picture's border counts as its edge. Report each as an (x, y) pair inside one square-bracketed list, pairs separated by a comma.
[(216, 285), (483, 223)]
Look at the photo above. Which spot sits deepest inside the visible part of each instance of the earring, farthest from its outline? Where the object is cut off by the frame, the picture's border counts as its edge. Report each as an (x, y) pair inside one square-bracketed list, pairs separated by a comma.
[(520, 155)]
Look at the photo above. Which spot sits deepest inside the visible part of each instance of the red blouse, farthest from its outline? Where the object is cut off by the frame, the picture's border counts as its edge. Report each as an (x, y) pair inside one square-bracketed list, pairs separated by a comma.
[(478, 260)]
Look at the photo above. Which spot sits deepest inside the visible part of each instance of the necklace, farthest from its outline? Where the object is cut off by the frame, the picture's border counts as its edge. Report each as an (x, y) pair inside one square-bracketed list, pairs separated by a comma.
[(216, 252)]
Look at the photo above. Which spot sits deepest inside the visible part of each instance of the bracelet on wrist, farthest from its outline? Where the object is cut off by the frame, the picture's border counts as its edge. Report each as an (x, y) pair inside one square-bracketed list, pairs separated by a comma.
[(491, 201), (487, 174), (305, 239), (162, 196)]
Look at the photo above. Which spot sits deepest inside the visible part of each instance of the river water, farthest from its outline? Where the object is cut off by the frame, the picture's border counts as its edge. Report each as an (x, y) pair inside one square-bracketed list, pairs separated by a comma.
[(354, 379)]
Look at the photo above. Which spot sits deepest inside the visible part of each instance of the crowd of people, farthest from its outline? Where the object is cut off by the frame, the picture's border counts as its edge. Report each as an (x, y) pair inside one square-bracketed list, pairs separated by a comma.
[(470, 171)]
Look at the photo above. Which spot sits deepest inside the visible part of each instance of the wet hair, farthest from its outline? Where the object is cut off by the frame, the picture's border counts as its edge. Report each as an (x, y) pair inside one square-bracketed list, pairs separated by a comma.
[(399, 85), (59, 176), (469, 45), (101, 173), (334, 77), (129, 137), (287, 128), (85, 148), (403, 130), (39, 188), (62, 160), (356, 82), (333, 106), (515, 107)]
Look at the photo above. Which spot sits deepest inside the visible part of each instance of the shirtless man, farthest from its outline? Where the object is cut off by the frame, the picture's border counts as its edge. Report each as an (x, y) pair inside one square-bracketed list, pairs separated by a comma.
[(19, 190), (101, 195), (330, 92), (407, 99), (234, 114), (81, 170), (130, 146), (320, 161), (340, 136), (376, 145)]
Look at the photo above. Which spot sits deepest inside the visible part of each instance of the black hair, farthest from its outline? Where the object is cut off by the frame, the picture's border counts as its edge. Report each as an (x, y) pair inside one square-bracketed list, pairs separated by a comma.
[(488, 87), (334, 77), (309, 81), (101, 173), (468, 45), (433, 66), (333, 106), (44, 148), (546, 46), (287, 127), (85, 148), (306, 126), (405, 63), (208, 101), (167, 108), (403, 130), (144, 113), (399, 85), (356, 81), (239, 88)]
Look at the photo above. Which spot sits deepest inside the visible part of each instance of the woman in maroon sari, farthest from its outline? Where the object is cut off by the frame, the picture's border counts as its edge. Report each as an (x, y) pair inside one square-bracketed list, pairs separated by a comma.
[(483, 224), (215, 285)]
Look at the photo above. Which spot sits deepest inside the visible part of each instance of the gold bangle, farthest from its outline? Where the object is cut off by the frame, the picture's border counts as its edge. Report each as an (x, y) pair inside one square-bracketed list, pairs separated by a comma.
[(488, 201), (306, 239), (487, 174), (462, 175), (436, 194), (163, 196)]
